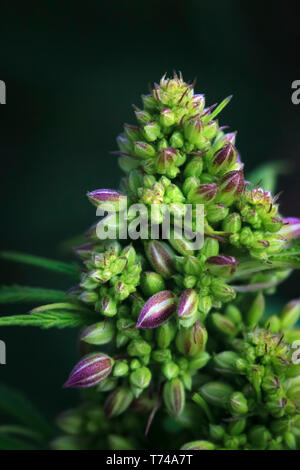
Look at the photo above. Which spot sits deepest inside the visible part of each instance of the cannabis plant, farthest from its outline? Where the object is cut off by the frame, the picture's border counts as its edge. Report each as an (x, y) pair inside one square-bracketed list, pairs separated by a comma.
[(171, 331)]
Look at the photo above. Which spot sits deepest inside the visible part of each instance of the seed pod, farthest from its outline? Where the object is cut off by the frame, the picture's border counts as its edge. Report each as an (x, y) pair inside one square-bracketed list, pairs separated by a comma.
[(90, 371), (223, 159), (238, 404), (216, 393), (152, 283), (188, 303), (117, 402), (231, 186), (99, 333), (221, 265), (203, 194), (191, 341), (108, 199), (174, 396), (157, 310), (140, 378), (161, 258)]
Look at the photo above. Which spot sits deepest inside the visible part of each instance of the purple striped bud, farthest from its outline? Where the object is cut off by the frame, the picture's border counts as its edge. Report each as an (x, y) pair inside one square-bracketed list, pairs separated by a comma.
[(118, 402), (161, 258), (90, 371), (223, 159), (231, 186), (221, 265), (188, 303), (166, 159), (203, 193), (167, 117), (84, 251), (157, 310), (291, 228), (174, 396), (108, 199), (143, 150), (191, 341), (193, 131)]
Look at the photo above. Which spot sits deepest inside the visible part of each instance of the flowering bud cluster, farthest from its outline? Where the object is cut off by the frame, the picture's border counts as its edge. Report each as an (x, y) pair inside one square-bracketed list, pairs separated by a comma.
[(173, 308)]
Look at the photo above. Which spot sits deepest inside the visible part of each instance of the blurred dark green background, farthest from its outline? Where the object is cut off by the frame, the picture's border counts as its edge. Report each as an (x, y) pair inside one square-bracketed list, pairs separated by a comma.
[(72, 71)]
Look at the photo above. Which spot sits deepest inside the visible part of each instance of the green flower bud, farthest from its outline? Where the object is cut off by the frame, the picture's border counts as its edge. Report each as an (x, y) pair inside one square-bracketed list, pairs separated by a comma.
[(135, 364), (223, 159), (256, 310), (238, 404), (222, 291), (205, 304), (210, 247), (199, 361), (166, 333), (89, 297), (190, 184), (151, 283), (182, 245), (233, 314), (99, 333), (232, 223), (141, 377), (226, 361), (246, 237), (235, 428), (210, 130), (176, 140), (151, 131), (174, 396), (259, 436), (194, 167), (170, 370), (273, 324), (216, 212), (167, 117), (121, 369), (216, 432), (138, 347), (290, 440), (107, 385), (161, 355), (107, 306), (117, 402), (216, 393), (204, 193), (290, 314), (198, 445), (221, 265), (193, 132), (191, 341), (223, 324), (231, 186), (143, 150)]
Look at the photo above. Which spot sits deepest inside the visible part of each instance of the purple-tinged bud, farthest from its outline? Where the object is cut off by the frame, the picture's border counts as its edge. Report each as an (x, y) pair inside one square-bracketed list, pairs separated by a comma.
[(151, 131), (149, 102), (223, 159), (203, 194), (291, 228), (157, 310), (107, 306), (231, 186), (161, 258), (123, 143), (191, 341), (166, 160), (142, 116), (133, 133), (108, 199), (117, 402), (99, 333), (90, 371), (216, 212), (89, 297), (188, 303), (221, 265), (193, 131), (198, 103), (167, 117), (174, 396), (210, 130), (84, 251), (143, 150)]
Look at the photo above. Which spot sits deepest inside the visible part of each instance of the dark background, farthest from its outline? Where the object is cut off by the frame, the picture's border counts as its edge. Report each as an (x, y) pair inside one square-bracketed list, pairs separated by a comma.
[(72, 71)]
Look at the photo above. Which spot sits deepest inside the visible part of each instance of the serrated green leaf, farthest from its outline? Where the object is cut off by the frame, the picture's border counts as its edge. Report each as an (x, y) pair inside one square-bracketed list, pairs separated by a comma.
[(44, 263), (50, 319), (15, 293), (14, 405), (268, 175)]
